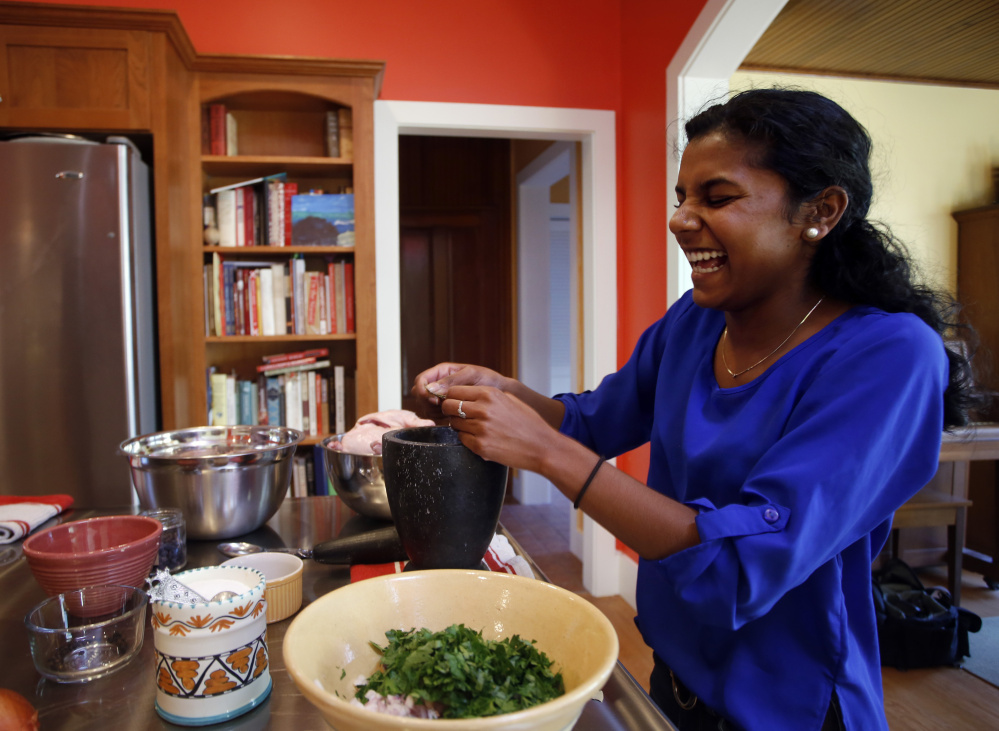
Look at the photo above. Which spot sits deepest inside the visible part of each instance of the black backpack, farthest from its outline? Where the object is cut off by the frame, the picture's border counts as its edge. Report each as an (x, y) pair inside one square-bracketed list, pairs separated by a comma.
[(918, 628)]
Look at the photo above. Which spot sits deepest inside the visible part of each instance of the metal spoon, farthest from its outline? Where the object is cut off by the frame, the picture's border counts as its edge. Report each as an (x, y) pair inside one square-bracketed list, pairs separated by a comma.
[(242, 548)]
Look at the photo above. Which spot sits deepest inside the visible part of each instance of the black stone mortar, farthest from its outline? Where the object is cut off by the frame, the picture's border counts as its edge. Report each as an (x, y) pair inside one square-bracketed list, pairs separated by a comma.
[(445, 499)]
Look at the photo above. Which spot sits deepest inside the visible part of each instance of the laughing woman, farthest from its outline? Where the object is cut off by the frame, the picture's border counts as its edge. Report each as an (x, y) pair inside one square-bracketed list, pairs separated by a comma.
[(793, 400)]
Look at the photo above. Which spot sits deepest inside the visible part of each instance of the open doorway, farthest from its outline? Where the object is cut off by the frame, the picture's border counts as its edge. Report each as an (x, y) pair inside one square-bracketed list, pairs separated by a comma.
[(594, 131)]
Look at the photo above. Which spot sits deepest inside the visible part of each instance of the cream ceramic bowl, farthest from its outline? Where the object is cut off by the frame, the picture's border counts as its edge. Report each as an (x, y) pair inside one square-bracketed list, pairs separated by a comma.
[(283, 573), (328, 646)]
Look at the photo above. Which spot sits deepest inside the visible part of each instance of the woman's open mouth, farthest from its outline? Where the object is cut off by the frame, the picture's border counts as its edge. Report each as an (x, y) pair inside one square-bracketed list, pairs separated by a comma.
[(706, 261)]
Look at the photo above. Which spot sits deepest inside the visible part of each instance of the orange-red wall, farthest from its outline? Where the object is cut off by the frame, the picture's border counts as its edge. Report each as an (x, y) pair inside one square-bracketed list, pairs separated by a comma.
[(589, 54)]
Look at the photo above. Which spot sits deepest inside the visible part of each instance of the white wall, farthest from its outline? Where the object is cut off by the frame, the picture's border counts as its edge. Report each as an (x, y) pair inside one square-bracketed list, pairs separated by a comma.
[(934, 150)]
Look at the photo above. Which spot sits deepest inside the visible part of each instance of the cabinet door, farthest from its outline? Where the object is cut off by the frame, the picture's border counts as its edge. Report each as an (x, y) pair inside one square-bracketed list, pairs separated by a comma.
[(74, 78)]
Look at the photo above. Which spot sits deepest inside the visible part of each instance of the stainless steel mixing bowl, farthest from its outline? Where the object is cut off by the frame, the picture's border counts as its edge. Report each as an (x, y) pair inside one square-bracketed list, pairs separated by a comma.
[(227, 480), (357, 479)]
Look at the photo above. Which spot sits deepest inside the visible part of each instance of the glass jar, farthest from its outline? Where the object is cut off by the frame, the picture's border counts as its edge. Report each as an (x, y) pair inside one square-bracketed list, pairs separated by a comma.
[(173, 542)]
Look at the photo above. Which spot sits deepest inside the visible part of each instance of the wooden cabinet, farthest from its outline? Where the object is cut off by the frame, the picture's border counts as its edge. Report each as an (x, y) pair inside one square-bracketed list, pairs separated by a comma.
[(978, 291), (97, 76), (92, 70), (280, 108)]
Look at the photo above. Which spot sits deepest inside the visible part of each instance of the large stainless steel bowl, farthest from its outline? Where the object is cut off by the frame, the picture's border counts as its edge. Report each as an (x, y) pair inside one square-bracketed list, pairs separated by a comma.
[(357, 479), (227, 480)]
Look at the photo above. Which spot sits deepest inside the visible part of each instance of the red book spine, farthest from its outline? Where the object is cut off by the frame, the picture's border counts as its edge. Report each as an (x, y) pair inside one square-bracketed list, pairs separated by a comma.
[(312, 305), (348, 294), (285, 357), (216, 115), (290, 189), (253, 303), (331, 269), (320, 417), (285, 364)]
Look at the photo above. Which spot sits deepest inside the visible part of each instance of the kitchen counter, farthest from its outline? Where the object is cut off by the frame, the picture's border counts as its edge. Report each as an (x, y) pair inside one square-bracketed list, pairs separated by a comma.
[(124, 700)]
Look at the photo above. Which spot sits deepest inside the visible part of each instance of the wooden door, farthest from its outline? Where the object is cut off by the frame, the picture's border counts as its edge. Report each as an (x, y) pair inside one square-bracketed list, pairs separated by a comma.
[(455, 255)]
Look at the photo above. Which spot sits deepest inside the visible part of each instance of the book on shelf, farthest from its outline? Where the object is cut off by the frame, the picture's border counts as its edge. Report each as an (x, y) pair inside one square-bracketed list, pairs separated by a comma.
[(206, 129), (216, 124), (275, 400), (298, 293), (333, 133), (339, 394), (246, 297), (345, 123), (313, 314), (280, 365), (294, 355), (322, 219), (348, 295), (248, 213), (298, 368), (231, 135), (309, 403), (322, 479), (340, 295), (290, 191), (314, 398), (299, 481), (310, 475)]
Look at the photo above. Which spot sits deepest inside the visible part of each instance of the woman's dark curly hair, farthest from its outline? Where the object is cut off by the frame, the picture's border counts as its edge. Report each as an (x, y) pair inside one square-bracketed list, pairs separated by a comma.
[(813, 143)]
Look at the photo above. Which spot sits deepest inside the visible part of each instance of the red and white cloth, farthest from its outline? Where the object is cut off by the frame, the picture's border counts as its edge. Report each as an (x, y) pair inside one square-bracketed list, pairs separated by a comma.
[(21, 514), (500, 556)]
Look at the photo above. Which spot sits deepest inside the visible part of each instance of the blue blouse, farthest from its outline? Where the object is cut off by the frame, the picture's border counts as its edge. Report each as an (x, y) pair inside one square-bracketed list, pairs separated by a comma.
[(795, 477)]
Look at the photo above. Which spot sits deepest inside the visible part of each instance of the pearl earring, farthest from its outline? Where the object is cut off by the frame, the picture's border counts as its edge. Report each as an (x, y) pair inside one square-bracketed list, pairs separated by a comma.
[(811, 233)]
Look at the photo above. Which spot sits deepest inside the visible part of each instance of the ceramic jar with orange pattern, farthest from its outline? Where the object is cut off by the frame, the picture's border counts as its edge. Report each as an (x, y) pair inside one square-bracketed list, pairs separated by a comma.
[(211, 657)]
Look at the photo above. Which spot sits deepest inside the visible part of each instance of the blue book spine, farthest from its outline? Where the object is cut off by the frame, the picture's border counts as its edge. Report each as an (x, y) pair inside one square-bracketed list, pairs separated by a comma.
[(274, 393), (229, 278), (246, 403), (322, 486)]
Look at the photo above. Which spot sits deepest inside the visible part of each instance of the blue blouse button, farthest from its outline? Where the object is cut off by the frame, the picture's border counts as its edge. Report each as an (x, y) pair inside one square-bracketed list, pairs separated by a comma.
[(771, 515)]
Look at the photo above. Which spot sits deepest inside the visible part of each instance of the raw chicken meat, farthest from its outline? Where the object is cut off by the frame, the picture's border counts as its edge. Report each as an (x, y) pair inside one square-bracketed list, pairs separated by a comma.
[(366, 435)]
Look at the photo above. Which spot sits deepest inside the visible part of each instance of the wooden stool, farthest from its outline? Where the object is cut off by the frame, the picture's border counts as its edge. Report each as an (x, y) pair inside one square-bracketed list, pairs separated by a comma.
[(930, 508)]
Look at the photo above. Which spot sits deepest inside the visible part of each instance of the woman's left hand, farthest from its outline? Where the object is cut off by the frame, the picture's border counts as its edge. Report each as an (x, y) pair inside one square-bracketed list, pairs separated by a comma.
[(498, 426)]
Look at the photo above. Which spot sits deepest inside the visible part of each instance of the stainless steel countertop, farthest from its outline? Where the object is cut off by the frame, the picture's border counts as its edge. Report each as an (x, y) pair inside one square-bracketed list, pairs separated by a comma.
[(124, 700)]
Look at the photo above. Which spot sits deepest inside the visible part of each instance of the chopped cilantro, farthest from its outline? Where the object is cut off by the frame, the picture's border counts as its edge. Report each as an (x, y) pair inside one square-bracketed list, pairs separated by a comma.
[(466, 674)]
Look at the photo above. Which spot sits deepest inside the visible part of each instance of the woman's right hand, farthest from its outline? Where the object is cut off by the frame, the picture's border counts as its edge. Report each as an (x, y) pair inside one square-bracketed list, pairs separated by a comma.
[(433, 384)]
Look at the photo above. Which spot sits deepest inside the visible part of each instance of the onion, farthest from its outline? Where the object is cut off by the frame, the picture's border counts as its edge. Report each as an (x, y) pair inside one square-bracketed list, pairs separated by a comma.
[(16, 713)]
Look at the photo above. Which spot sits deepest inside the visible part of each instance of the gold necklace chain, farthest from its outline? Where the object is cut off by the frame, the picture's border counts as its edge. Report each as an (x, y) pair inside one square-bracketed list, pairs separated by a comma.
[(770, 354)]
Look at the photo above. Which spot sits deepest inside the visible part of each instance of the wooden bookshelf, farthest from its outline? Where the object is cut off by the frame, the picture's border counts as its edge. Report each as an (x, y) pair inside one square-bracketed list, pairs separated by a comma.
[(280, 107)]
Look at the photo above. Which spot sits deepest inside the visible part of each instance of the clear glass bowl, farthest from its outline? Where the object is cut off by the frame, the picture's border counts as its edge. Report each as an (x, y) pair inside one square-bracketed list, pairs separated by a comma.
[(88, 633)]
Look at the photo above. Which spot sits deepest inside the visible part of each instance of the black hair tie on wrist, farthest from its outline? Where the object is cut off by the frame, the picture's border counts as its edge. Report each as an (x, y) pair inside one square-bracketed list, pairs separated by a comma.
[(586, 485)]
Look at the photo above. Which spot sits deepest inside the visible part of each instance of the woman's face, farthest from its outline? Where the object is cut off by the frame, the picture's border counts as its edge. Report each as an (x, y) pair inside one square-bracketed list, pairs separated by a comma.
[(732, 225)]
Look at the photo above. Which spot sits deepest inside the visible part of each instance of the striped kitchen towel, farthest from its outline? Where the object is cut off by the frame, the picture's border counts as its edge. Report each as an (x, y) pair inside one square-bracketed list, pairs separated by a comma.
[(500, 556), (21, 514)]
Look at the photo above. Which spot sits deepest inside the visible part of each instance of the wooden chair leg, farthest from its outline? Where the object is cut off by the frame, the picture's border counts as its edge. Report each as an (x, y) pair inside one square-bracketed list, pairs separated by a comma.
[(955, 546)]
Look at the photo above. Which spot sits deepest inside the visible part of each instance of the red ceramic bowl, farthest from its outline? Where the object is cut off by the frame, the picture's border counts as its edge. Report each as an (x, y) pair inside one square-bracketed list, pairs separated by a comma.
[(117, 549)]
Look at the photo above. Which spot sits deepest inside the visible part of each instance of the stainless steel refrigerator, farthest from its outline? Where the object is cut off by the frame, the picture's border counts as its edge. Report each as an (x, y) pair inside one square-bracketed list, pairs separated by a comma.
[(77, 318)]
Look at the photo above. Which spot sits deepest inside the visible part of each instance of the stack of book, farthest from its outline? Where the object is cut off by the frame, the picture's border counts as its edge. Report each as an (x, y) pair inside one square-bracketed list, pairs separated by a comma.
[(300, 390), (218, 130), (245, 297), (308, 476), (254, 212)]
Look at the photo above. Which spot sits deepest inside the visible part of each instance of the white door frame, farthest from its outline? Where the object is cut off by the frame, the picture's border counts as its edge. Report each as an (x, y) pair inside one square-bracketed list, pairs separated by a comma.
[(720, 39), (595, 130), (533, 277)]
